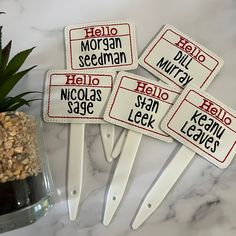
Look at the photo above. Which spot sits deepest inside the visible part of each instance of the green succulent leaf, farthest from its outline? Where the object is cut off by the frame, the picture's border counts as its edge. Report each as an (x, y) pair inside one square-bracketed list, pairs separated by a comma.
[(21, 103), (16, 62), (8, 85), (13, 103), (0, 44), (16, 104), (5, 57), (8, 101), (3, 105), (10, 75)]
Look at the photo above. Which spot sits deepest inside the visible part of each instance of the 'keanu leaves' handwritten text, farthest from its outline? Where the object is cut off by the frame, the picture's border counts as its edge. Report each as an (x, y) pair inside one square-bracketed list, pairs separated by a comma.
[(205, 130)]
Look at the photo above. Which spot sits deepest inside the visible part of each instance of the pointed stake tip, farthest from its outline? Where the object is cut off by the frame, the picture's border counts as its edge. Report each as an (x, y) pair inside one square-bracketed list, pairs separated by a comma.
[(107, 218), (72, 210), (109, 159), (72, 216), (134, 225), (114, 155), (106, 222)]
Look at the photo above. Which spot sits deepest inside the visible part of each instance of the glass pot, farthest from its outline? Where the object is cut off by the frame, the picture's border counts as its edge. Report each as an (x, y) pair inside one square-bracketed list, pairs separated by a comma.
[(25, 179)]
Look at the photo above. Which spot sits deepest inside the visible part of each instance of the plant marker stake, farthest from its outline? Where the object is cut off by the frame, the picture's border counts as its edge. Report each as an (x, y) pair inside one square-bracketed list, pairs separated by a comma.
[(127, 85), (180, 161), (75, 36), (121, 175), (163, 185), (119, 144), (202, 80), (107, 135), (75, 168)]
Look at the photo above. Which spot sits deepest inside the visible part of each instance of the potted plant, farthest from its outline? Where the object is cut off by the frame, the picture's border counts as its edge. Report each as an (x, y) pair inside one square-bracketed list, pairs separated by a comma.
[(25, 193)]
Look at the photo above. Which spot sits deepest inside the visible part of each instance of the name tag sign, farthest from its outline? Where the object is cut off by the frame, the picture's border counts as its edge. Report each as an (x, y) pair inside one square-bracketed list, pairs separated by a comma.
[(105, 45), (138, 104), (72, 97), (203, 124), (177, 59)]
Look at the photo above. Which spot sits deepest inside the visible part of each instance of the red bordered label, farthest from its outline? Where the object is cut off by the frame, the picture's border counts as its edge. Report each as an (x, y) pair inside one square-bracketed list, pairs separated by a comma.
[(105, 45), (138, 104), (203, 124), (76, 97), (178, 60)]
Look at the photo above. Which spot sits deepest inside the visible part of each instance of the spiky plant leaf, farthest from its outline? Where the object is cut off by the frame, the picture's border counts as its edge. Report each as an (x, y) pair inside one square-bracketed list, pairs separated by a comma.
[(21, 103), (8, 84), (9, 102), (10, 75), (16, 62), (1, 40), (5, 57), (0, 44)]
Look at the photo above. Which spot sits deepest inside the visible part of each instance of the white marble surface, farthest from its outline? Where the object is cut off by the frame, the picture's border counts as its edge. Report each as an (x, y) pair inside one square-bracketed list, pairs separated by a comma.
[(204, 200)]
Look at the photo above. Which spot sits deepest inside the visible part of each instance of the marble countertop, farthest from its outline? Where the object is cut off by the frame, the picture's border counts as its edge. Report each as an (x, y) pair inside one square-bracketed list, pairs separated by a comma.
[(203, 201)]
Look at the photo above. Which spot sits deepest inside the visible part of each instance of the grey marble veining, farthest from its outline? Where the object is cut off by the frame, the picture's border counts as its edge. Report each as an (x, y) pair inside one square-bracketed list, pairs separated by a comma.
[(203, 200)]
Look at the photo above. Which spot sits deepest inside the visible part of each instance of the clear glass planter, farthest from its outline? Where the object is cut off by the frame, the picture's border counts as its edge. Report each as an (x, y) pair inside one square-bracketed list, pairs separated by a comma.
[(25, 179)]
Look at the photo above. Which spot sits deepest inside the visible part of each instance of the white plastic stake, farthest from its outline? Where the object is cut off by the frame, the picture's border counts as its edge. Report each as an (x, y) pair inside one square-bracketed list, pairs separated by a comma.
[(119, 144), (163, 185), (121, 175), (107, 134), (75, 168)]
